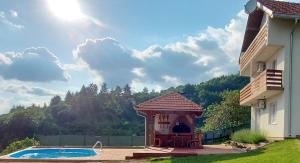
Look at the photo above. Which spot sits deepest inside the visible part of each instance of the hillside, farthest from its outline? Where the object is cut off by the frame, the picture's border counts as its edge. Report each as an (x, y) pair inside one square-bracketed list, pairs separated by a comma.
[(101, 112)]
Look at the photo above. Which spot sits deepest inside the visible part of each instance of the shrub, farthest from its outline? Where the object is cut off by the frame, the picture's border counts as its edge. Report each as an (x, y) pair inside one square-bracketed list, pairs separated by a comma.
[(248, 136), (21, 144)]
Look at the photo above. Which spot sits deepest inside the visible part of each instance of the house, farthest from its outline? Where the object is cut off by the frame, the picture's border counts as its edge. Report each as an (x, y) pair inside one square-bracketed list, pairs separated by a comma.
[(170, 120), (270, 56)]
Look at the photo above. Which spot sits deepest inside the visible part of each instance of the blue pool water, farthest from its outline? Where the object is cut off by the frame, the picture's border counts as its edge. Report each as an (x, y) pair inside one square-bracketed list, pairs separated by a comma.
[(53, 153)]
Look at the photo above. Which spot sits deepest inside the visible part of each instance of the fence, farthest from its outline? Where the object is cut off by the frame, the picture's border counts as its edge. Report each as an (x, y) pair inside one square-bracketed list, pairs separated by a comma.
[(215, 136), (125, 141), (86, 140)]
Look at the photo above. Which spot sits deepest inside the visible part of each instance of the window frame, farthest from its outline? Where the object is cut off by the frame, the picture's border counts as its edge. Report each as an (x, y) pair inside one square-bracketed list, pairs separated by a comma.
[(273, 113)]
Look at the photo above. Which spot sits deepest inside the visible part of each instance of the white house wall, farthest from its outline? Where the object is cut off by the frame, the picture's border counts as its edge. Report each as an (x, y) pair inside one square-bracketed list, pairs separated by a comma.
[(279, 34)]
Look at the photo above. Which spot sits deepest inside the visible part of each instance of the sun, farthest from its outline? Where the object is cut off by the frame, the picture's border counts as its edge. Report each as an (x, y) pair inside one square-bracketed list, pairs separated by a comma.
[(68, 10)]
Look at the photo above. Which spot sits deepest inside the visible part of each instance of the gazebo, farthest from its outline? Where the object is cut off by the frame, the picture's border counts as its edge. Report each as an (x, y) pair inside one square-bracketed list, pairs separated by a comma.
[(170, 121)]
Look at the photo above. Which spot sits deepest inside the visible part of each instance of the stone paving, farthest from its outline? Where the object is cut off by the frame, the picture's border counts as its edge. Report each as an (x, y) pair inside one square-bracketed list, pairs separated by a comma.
[(163, 152)]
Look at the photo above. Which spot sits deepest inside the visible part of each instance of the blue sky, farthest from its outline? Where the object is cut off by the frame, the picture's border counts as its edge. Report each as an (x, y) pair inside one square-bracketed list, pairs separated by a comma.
[(156, 44)]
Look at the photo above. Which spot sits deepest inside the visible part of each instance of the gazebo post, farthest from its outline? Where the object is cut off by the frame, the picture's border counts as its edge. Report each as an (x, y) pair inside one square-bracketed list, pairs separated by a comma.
[(149, 125), (146, 132)]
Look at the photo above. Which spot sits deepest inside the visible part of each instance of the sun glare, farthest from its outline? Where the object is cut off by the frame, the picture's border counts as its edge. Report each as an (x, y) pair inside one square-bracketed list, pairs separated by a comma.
[(66, 9)]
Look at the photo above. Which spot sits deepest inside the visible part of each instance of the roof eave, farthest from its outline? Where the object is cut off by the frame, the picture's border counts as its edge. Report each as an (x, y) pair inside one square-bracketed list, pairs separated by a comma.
[(183, 110), (286, 16), (265, 9)]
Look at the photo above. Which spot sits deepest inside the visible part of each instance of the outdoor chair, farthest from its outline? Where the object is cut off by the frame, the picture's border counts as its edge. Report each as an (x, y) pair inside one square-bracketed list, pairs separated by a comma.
[(197, 142)]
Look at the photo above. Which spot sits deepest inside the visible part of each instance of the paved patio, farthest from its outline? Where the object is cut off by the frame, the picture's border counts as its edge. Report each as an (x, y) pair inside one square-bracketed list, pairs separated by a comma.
[(179, 152)]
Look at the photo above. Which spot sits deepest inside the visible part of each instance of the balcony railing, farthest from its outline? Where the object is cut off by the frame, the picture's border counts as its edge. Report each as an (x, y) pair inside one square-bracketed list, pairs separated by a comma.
[(267, 84), (257, 43)]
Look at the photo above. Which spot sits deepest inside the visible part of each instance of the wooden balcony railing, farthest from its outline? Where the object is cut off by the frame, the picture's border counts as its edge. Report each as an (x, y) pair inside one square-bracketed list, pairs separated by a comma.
[(257, 43), (268, 80)]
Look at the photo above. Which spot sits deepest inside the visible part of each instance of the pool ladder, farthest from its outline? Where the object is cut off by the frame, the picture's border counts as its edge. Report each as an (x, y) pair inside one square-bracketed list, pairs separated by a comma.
[(97, 142)]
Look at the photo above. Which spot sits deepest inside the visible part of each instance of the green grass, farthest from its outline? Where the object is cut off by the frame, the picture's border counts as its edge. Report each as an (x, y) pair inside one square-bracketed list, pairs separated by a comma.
[(20, 144), (248, 136), (287, 151)]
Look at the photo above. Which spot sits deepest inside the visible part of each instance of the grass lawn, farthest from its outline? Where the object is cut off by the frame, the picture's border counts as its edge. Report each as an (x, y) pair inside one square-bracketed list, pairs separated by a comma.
[(283, 152)]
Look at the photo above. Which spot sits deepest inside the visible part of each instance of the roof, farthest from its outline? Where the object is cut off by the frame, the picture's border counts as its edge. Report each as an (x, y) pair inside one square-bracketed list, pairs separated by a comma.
[(171, 101), (257, 8), (281, 8)]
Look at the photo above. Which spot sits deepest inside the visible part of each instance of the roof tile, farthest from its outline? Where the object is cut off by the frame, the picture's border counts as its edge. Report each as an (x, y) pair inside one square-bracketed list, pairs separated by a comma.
[(281, 7), (170, 101)]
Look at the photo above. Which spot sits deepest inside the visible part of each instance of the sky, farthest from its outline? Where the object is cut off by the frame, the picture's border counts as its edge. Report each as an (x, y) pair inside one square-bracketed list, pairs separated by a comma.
[(50, 46)]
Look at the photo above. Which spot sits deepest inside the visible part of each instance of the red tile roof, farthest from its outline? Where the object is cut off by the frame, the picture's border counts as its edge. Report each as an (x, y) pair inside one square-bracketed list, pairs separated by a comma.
[(282, 8), (171, 101), (278, 9)]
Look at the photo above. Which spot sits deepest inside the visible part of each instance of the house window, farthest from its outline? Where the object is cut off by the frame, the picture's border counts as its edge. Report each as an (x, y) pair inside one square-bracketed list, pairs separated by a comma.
[(273, 113)]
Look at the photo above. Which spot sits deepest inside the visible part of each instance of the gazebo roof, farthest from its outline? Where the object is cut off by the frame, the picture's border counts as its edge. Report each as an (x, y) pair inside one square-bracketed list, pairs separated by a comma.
[(171, 101)]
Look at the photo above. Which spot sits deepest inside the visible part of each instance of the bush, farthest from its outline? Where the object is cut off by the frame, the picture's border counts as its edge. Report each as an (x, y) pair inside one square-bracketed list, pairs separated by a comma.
[(248, 136), (18, 145)]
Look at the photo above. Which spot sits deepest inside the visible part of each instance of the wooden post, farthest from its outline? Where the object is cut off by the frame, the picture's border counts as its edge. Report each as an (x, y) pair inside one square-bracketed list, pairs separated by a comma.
[(150, 129), (146, 132)]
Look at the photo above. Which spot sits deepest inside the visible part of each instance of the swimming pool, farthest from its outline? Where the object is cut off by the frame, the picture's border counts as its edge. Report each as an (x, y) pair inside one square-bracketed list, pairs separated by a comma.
[(50, 153)]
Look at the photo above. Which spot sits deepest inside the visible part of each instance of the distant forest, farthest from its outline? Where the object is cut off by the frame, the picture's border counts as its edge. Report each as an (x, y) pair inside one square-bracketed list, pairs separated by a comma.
[(102, 111)]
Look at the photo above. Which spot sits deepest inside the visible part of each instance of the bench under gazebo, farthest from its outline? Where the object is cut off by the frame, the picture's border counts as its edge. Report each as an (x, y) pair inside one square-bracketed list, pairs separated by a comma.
[(170, 121)]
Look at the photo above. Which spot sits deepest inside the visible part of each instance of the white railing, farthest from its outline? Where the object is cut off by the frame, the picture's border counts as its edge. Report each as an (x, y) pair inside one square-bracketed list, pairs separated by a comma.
[(97, 142)]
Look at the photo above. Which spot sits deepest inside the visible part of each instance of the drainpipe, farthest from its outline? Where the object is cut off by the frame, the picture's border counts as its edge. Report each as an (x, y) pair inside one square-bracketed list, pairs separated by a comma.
[(290, 75), (146, 128)]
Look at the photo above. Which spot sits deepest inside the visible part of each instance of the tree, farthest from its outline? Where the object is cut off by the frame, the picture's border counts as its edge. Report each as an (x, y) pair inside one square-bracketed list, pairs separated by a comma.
[(103, 89), (145, 90), (227, 114), (92, 90), (104, 113), (190, 92), (55, 100), (127, 90), (82, 91), (68, 97), (117, 91)]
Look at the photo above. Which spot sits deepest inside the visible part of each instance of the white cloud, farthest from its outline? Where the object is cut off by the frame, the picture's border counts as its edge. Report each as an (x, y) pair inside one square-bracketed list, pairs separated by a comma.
[(13, 13), (172, 80), (138, 85), (95, 21), (9, 23), (34, 64), (4, 103), (230, 38), (139, 71), (109, 59), (148, 53), (24, 89), (217, 71), (4, 60), (15, 92), (210, 53)]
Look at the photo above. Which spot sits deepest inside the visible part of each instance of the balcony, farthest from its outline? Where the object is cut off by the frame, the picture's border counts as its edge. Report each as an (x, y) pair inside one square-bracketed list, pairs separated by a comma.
[(255, 47), (265, 85)]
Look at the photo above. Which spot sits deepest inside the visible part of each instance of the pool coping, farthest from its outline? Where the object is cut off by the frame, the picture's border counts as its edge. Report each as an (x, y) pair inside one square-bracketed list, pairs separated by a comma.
[(95, 158)]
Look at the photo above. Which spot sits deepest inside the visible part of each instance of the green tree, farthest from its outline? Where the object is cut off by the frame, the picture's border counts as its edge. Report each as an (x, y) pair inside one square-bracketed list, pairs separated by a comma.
[(68, 97), (127, 90), (103, 89), (55, 100), (227, 114), (117, 91)]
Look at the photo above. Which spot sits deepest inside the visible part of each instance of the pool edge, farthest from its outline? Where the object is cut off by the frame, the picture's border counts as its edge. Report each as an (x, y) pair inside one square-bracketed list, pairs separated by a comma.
[(8, 158)]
